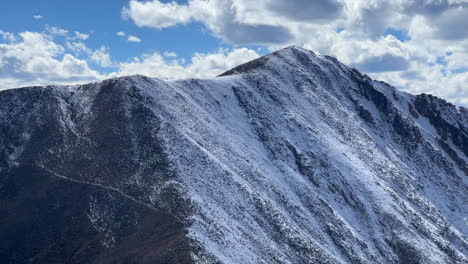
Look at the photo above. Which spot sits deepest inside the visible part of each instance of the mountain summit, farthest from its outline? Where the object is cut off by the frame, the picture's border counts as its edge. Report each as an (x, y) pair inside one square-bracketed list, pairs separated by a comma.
[(290, 158)]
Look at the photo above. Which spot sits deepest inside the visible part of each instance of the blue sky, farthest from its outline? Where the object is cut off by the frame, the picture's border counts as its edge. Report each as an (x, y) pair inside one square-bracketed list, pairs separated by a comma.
[(416, 45), (101, 20)]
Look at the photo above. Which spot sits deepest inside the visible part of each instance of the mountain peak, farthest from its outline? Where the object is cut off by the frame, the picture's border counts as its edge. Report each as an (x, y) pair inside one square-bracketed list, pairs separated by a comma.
[(286, 54), (298, 159)]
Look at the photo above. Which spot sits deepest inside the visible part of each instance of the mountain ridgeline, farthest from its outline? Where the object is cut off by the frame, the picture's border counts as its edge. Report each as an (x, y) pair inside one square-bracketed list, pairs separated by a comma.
[(290, 158)]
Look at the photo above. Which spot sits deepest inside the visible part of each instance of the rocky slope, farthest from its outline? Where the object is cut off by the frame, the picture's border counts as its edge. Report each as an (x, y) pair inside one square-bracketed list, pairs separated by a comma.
[(290, 158)]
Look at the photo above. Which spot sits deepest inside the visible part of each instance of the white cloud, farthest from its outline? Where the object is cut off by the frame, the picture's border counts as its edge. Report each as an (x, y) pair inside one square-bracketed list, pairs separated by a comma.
[(37, 17), (60, 32), (219, 16), (35, 59), (77, 47), (130, 38), (157, 14), (80, 36), (7, 36), (306, 10), (430, 79), (170, 54), (203, 65), (56, 31), (457, 60), (102, 57), (133, 39)]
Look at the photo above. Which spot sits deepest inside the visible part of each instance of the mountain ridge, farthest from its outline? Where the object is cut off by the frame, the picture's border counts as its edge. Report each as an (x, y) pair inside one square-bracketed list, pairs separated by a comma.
[(295, 158)]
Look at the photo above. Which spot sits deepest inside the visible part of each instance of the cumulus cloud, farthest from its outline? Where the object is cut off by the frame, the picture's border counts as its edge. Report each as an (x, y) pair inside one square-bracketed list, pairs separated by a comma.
[(37, 17), (306, 10), (102, 57), (452, 24), (219, 16), (202, 65), (33, 58), (7, 36), (77, 47), (56, 31), (241, 34), (130, 38), (384, 63), (430, 79), (80, 36), (135, 39), (170, 54), (159, 15), (60, 32), (240, 22), (457, 60)]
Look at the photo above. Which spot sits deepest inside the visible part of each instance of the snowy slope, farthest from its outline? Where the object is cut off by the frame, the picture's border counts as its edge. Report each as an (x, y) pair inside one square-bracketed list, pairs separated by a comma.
[(291, 158)]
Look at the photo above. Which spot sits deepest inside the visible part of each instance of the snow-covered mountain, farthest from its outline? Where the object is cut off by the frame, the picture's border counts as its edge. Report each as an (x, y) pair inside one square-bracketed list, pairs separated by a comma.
[(290, 158)]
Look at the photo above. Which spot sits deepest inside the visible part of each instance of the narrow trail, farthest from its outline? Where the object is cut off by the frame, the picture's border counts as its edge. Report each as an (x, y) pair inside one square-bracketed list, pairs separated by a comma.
[(100, 186)]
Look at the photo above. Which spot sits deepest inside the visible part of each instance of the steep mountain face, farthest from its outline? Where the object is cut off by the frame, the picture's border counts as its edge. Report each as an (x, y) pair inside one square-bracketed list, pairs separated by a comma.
[(290, 158)]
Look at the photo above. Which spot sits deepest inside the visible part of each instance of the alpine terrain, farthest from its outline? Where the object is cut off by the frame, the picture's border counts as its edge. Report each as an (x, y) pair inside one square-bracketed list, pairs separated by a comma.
[(290, 158)]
